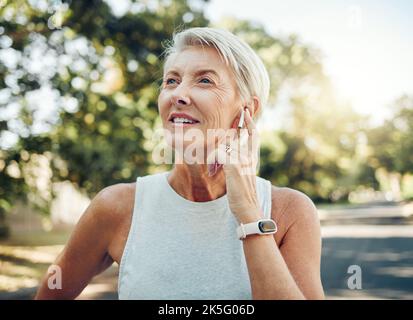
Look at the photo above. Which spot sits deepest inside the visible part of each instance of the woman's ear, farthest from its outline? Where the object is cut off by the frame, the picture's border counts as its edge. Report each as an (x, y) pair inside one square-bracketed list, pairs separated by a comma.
[(254, 106)]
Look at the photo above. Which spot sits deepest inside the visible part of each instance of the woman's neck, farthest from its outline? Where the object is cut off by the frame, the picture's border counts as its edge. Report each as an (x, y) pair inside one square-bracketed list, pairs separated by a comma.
[(193, 183)]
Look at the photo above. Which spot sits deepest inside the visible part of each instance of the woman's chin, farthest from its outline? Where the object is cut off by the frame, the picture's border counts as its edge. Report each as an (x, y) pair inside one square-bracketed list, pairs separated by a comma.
[(190, 153)]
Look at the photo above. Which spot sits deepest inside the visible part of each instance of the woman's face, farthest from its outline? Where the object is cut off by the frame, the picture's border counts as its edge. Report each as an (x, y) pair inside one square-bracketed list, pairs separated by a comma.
[(198, 84)]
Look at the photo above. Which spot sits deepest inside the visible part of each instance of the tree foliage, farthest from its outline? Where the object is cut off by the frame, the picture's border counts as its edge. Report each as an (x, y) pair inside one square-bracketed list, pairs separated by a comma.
[(78, 102)]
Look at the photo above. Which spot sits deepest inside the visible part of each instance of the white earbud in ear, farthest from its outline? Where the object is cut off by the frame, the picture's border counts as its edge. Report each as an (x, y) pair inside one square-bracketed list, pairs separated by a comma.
[(241, 119)]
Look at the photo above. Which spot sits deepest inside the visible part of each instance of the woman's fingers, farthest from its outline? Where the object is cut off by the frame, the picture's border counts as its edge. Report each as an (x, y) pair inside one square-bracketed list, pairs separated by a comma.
[(243, 146), (253, 136), (249, 123)]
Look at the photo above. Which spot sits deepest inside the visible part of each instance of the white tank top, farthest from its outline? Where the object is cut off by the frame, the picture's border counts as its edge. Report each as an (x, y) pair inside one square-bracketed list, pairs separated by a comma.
[(180, 249)]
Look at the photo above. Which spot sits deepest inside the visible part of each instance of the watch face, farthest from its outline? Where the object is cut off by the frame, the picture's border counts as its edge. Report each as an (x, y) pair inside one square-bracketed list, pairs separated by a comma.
[(267, 226)]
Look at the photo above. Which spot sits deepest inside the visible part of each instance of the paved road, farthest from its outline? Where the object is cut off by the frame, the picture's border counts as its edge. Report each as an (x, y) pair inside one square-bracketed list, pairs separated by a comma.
[(384, 254)]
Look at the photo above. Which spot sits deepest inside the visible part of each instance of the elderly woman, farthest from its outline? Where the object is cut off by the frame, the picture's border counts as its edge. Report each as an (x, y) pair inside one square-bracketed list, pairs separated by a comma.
[(204, 230)]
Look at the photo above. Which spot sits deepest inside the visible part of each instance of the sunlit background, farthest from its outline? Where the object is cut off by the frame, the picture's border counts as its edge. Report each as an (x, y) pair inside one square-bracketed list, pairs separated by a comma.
[(366, 45), (78, 89)]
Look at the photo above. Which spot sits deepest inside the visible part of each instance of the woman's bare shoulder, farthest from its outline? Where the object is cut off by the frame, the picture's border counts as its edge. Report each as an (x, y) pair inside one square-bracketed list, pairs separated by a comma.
[(115, 206), (116, 201), (289, 206)]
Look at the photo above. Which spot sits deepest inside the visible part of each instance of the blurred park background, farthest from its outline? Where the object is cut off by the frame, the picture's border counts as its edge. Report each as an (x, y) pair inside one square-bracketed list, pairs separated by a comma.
[(78, 106)]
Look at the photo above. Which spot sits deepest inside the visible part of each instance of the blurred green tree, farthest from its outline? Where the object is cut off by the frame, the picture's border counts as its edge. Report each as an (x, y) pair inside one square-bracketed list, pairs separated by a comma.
[(316, 148), (78, 100), (391, 143), (79, 87)]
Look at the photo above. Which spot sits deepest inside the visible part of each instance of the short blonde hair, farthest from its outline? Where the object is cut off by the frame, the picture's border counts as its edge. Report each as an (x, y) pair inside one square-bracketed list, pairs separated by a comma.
[(250, 73)]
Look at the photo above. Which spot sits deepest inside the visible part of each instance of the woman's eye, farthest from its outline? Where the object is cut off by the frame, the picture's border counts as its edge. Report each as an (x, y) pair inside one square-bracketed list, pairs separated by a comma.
[(168, 81), (205, 79)]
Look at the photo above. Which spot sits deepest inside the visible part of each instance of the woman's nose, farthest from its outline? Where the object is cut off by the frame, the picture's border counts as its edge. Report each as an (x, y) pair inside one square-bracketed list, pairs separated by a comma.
[(180, 97), (181, 100)]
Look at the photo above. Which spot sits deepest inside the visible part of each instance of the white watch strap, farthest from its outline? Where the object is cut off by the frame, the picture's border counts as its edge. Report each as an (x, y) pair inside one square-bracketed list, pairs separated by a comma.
[(244, 230)]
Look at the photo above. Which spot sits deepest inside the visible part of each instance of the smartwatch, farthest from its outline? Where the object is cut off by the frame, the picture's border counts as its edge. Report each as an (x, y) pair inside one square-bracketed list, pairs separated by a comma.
[(261, 227)]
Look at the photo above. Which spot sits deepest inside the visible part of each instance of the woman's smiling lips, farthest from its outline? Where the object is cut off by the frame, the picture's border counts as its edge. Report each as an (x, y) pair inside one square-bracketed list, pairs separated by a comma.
[(182, 119)]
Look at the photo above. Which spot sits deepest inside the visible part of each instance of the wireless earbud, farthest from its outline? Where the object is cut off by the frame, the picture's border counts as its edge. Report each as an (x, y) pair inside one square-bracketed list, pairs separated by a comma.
[(241, 119)]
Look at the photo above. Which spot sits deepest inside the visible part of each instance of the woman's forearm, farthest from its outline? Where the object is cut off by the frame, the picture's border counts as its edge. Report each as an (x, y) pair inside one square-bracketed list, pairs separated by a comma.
[(269, 274)]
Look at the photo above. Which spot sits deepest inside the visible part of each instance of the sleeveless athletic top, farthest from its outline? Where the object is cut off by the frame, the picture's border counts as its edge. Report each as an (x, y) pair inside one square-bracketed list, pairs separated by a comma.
[(181, 249)]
